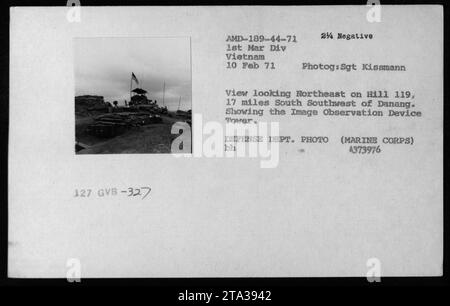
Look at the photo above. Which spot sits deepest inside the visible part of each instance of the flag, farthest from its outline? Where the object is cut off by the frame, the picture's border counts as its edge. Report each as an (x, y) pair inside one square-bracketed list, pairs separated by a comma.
[(134, 78)]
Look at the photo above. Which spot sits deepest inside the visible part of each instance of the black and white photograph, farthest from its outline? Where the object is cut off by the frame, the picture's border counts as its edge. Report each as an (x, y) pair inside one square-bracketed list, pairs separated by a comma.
[(229, 150), (129, 93)]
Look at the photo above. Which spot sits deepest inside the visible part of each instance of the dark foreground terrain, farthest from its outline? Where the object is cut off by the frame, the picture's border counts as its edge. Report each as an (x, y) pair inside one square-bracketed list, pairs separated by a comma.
[(150, 138), (103, 129)]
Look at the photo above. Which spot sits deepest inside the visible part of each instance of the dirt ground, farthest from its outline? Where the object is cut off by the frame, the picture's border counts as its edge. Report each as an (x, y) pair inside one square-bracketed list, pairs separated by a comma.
[(152, 138)]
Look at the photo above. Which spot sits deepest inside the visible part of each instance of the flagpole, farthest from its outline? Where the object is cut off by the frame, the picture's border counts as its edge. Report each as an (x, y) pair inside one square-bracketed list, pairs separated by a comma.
[(179, 101), (131, 84), (164, 91)]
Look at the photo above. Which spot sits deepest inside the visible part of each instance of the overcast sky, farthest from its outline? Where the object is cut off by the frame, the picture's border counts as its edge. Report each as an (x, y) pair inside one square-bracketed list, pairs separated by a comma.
[(103, 67)]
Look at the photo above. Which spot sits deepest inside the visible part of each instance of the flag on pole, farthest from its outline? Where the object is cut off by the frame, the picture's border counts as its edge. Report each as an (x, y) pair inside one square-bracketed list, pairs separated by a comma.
[(134, 78)]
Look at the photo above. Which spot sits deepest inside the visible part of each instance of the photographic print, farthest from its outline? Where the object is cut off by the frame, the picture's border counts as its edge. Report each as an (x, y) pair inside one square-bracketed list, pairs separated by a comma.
[(315, 149)]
